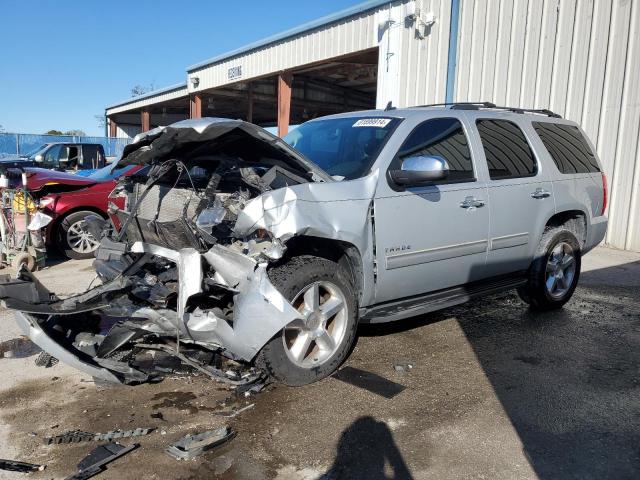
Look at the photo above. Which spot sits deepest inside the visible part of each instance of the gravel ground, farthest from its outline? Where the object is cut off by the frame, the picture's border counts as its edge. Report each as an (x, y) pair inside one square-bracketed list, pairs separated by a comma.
[(495, 392)]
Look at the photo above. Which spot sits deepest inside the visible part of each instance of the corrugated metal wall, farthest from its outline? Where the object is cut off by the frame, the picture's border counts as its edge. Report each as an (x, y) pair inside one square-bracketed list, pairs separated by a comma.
[(423, 75), (347, 36), (579, 58)]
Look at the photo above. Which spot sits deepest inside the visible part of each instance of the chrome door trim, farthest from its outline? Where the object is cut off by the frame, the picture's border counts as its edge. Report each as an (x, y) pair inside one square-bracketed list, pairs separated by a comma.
[(418, 257), (508, 241)]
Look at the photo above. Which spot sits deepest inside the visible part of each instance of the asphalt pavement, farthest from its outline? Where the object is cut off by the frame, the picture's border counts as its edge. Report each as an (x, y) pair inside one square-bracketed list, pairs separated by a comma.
[(486, 390)]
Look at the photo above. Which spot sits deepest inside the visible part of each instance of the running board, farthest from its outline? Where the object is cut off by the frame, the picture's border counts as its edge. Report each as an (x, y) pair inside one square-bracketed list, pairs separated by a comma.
[(430, 302)]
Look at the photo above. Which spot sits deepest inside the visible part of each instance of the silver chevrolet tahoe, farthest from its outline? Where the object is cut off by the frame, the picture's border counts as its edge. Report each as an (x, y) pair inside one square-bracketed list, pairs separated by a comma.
[(232, 245)]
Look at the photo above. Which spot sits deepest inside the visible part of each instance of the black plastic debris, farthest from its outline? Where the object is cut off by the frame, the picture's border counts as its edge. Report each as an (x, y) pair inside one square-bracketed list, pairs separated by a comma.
[(77, 436), (20, 467), (158, 415), (45, 360), (96, 461), (191, 446)]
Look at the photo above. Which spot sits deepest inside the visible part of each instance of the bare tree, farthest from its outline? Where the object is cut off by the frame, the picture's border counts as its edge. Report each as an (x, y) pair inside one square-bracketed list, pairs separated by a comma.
[(2, 130), (77, 133), (138, 90), (101, 120)]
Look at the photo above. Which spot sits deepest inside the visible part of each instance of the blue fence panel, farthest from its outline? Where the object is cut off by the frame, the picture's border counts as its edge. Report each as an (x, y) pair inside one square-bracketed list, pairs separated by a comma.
[(12, 144)]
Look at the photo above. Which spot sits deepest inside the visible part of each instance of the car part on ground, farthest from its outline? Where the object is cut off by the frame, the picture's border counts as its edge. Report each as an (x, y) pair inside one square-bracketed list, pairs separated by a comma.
[(192, 446), (20, 467), (96, 461), (235, 412), (77, 436), (45, 360)]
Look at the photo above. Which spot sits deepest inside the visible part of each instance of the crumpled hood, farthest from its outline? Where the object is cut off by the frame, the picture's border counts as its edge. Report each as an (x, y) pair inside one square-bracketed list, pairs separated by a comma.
[(163, 143)]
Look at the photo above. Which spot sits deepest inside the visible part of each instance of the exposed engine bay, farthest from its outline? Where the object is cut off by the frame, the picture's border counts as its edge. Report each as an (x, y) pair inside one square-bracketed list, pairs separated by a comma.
[(182, 268)]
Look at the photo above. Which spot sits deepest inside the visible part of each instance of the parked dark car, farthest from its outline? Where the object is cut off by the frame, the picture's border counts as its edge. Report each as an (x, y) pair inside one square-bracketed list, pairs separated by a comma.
[(69, 199), (82, 158)]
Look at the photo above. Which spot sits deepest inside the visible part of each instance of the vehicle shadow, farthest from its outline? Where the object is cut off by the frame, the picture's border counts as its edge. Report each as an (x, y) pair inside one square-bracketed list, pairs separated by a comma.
[(567, 379), (367, 450)]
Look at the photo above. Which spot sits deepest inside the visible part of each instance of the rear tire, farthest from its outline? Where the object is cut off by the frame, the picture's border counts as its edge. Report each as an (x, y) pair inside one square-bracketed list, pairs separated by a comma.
[(316, 347), (554, 273), (73, 239)]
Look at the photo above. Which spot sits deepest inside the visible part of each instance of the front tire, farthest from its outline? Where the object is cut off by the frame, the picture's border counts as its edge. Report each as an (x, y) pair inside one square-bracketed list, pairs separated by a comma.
[(554, 273), (309, 350), (73, 239)]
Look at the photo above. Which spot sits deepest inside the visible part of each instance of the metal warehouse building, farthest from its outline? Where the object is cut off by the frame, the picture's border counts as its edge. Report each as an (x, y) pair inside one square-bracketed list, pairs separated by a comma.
[(579, 58)]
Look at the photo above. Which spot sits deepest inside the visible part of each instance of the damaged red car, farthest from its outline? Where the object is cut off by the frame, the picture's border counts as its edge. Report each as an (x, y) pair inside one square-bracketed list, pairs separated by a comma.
[(69, 199)]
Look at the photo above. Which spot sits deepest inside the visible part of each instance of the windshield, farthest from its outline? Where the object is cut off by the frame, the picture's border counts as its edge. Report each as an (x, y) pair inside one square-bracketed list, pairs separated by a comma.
[(31, 154), (343, 147), (109, 172)]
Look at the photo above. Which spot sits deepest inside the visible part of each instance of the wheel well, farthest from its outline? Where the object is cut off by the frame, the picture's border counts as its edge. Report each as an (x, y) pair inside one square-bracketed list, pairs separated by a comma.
[(345, 254), (574, 221)]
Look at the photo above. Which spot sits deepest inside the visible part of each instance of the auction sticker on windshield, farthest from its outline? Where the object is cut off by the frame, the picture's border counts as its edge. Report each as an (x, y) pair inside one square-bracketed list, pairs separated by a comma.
[(372, 122)]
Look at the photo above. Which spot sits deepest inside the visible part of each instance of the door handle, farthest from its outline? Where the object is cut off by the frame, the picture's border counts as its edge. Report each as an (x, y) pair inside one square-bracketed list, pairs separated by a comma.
[(472, 202), (540, 193)]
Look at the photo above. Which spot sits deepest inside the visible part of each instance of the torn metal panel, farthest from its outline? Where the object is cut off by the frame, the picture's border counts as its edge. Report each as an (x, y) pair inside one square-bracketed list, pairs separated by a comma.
[(260, 311), (30, 326), (318, 210), (189, 270), (234, 268)]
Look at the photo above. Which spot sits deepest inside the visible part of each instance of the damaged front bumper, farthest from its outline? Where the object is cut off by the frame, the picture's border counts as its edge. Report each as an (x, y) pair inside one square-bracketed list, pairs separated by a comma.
[(86, 330)]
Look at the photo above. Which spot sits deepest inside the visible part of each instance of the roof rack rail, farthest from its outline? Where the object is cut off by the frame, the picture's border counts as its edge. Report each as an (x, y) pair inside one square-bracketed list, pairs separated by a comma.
[(461, 105), (489, 105)]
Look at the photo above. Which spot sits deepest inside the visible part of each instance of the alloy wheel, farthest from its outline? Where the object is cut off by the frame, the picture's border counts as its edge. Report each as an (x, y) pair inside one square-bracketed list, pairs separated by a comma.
[(561, 270), (79, 239), (316, 337)]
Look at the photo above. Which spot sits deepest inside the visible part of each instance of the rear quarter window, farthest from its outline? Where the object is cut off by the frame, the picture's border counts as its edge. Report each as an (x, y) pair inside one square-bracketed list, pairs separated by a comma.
[(568, 148), (506, 149)]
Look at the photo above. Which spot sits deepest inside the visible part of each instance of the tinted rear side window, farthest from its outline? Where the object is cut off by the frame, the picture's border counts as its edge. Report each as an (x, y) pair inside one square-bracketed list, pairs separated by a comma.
[(443, 137), (506, 149), (568, 147)]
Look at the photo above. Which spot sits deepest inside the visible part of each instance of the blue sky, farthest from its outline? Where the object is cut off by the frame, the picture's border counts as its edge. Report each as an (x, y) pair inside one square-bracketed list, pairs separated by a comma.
[(62, 62)]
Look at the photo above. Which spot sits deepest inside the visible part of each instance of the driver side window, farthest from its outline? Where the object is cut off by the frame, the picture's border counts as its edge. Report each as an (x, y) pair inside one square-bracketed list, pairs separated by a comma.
[(443, 137), (51, 157)]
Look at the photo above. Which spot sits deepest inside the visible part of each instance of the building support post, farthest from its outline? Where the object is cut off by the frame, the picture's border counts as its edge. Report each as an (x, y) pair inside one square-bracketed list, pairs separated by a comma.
[(113, 127), (454, 32), (285, 82), (145, 120), (195, 106), (250, 99)]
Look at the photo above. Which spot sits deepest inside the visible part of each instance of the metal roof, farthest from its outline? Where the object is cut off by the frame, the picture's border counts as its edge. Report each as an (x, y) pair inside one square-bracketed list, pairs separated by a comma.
[(349, 12), (155, 93)]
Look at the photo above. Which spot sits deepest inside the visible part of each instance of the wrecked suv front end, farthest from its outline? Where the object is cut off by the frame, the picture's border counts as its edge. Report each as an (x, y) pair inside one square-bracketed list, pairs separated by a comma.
[(183, 266)]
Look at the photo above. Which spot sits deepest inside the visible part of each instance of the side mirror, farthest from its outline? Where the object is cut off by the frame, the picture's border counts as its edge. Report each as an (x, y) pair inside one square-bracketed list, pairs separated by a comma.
[(420, 170), (39, 158)]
